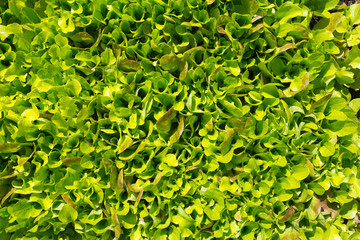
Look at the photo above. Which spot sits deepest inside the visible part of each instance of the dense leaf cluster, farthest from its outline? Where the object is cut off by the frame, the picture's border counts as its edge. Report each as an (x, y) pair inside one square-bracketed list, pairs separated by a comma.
[(179, 119)]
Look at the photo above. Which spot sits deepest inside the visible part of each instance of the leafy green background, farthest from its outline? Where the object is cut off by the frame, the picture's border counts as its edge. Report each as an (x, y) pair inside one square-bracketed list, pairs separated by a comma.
[(174, 119)]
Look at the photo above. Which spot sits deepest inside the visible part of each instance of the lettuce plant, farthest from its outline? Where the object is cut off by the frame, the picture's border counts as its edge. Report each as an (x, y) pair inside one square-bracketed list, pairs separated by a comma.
[(179, 119)]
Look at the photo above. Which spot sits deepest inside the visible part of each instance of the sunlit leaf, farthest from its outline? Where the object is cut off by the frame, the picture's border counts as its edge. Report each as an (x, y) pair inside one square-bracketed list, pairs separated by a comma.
[(67, 214)]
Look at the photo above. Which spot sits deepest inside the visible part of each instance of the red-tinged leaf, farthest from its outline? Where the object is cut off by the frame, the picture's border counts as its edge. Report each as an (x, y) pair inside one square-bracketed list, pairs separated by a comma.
[(120, 180), (71, 161), (184, 71), (356, 219), (218, 179), (221, 30), (170, 63), (206, 226), (256, 17), (164, 122), (286, 47), (107, 162), (180, 129), (106, 213), (117, 228), (288, 214), (191, 168), (232, 177), (22, 161), (68, 200), (191, 50), (257, 28), (9, 147), (7, 195), (317, 206), (131, 155), (9, 176), (139, 197), (169, 18), (327, 209), (45, 115), (158, 178), (128, 65)]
